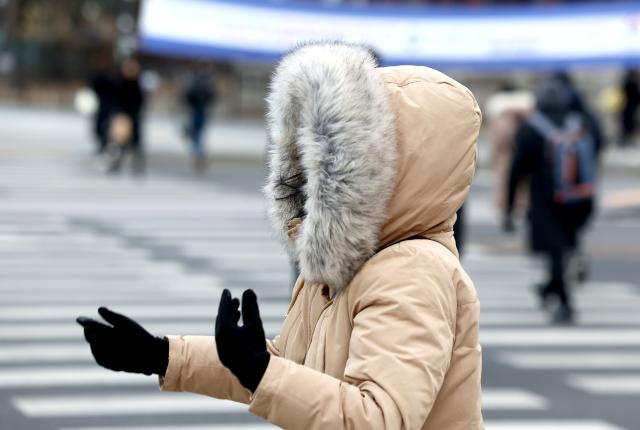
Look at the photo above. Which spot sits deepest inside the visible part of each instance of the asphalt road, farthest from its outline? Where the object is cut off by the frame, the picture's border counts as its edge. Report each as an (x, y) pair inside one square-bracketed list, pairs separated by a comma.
[(162, 247)]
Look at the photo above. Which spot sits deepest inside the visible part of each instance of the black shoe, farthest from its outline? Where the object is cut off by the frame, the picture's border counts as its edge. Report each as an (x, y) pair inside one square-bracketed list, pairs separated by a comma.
[(583, 270), (563, 315), (115, 156), (544, 295), (578, 269)]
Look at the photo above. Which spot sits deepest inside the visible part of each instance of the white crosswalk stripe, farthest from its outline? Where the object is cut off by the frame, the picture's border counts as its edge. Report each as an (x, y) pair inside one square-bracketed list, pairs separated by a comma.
[(167, 403), (607, 384), (45, 353), (141, 311), (17, 377), (560, 337), (69, 330), (572, 360), (535, 318), (122, 404), (550, 425), (511, 399)]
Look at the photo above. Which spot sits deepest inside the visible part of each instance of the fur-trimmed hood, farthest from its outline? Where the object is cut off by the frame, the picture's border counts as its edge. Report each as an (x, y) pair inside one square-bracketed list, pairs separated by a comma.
[(366, 156)]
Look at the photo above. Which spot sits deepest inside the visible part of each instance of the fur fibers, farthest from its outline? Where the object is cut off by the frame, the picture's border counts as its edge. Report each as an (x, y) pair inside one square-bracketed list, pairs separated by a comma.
[(332, 158)]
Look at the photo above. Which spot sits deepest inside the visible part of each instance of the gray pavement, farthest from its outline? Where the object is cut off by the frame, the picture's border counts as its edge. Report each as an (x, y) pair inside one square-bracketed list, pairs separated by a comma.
[(162, 247)]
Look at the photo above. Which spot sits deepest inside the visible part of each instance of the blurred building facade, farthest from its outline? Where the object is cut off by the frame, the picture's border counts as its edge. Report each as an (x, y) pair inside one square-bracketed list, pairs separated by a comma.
[(47, 43), (58, 40)]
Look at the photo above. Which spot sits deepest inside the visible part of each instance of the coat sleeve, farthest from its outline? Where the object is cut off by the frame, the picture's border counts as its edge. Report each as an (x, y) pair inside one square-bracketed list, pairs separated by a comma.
[(194, 367), (524, 157), (403, 314)]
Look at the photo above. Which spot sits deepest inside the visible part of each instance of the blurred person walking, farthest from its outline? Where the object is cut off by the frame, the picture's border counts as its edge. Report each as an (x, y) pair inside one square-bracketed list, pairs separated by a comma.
[(628, 115), (578, 261), (382, 329), (505, 112), (125, 125), (103, 86), (555, 149), (198, 96)]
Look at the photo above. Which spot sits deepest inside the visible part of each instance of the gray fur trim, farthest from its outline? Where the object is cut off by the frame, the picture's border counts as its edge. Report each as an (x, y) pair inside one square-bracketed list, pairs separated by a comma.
[(332, 137)]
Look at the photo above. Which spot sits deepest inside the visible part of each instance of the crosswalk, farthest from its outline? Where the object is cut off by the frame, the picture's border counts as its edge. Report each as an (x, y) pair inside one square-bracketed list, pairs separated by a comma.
[(161, 251)]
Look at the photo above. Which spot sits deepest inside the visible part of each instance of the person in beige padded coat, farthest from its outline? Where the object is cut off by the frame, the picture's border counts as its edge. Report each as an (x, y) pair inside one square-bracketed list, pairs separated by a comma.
[(368, 166)]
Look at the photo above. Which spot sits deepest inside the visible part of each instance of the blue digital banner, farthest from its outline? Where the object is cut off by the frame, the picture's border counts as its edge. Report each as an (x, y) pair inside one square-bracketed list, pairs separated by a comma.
[(539, 36)]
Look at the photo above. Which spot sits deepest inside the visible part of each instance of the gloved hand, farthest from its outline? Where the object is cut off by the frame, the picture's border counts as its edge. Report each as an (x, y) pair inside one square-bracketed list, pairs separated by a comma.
[(125, 345), (243, 350)]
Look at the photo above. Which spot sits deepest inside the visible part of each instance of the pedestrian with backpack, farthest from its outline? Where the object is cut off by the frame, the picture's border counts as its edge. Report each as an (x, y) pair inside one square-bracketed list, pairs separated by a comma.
[(368, 166), (556, 150)]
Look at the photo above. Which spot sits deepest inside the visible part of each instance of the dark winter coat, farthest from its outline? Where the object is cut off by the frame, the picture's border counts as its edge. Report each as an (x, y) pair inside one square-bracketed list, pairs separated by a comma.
[(552, 226), (128, 97), (103, 86), (199, 94)]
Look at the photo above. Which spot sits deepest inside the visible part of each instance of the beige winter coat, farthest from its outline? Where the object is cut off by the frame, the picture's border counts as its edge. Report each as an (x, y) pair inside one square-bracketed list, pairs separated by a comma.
[(391, 341)]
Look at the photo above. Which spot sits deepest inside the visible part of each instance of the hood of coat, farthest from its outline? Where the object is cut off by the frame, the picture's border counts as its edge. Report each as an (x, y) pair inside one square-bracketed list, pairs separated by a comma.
[(365, 156)]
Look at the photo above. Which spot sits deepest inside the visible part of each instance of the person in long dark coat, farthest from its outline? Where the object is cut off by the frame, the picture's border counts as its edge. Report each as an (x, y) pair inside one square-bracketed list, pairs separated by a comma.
[(102, 83), (553, 227), (129, 100)]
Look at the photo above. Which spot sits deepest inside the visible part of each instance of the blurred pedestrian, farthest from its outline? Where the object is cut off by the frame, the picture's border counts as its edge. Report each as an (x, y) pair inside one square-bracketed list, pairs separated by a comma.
[(578, 262), (382, 330), (505, 111), (556, 150), (103, 86), (128, 105), (198, 96), (628, 115)]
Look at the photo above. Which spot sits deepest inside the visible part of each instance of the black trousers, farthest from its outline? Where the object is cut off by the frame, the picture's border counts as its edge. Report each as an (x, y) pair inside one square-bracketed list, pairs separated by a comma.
[(101, 129), (557, 263)]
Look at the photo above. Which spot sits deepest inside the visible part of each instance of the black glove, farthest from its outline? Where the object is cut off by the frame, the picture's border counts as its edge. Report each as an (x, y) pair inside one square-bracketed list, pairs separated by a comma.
[(125, 346), (243, 350)]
